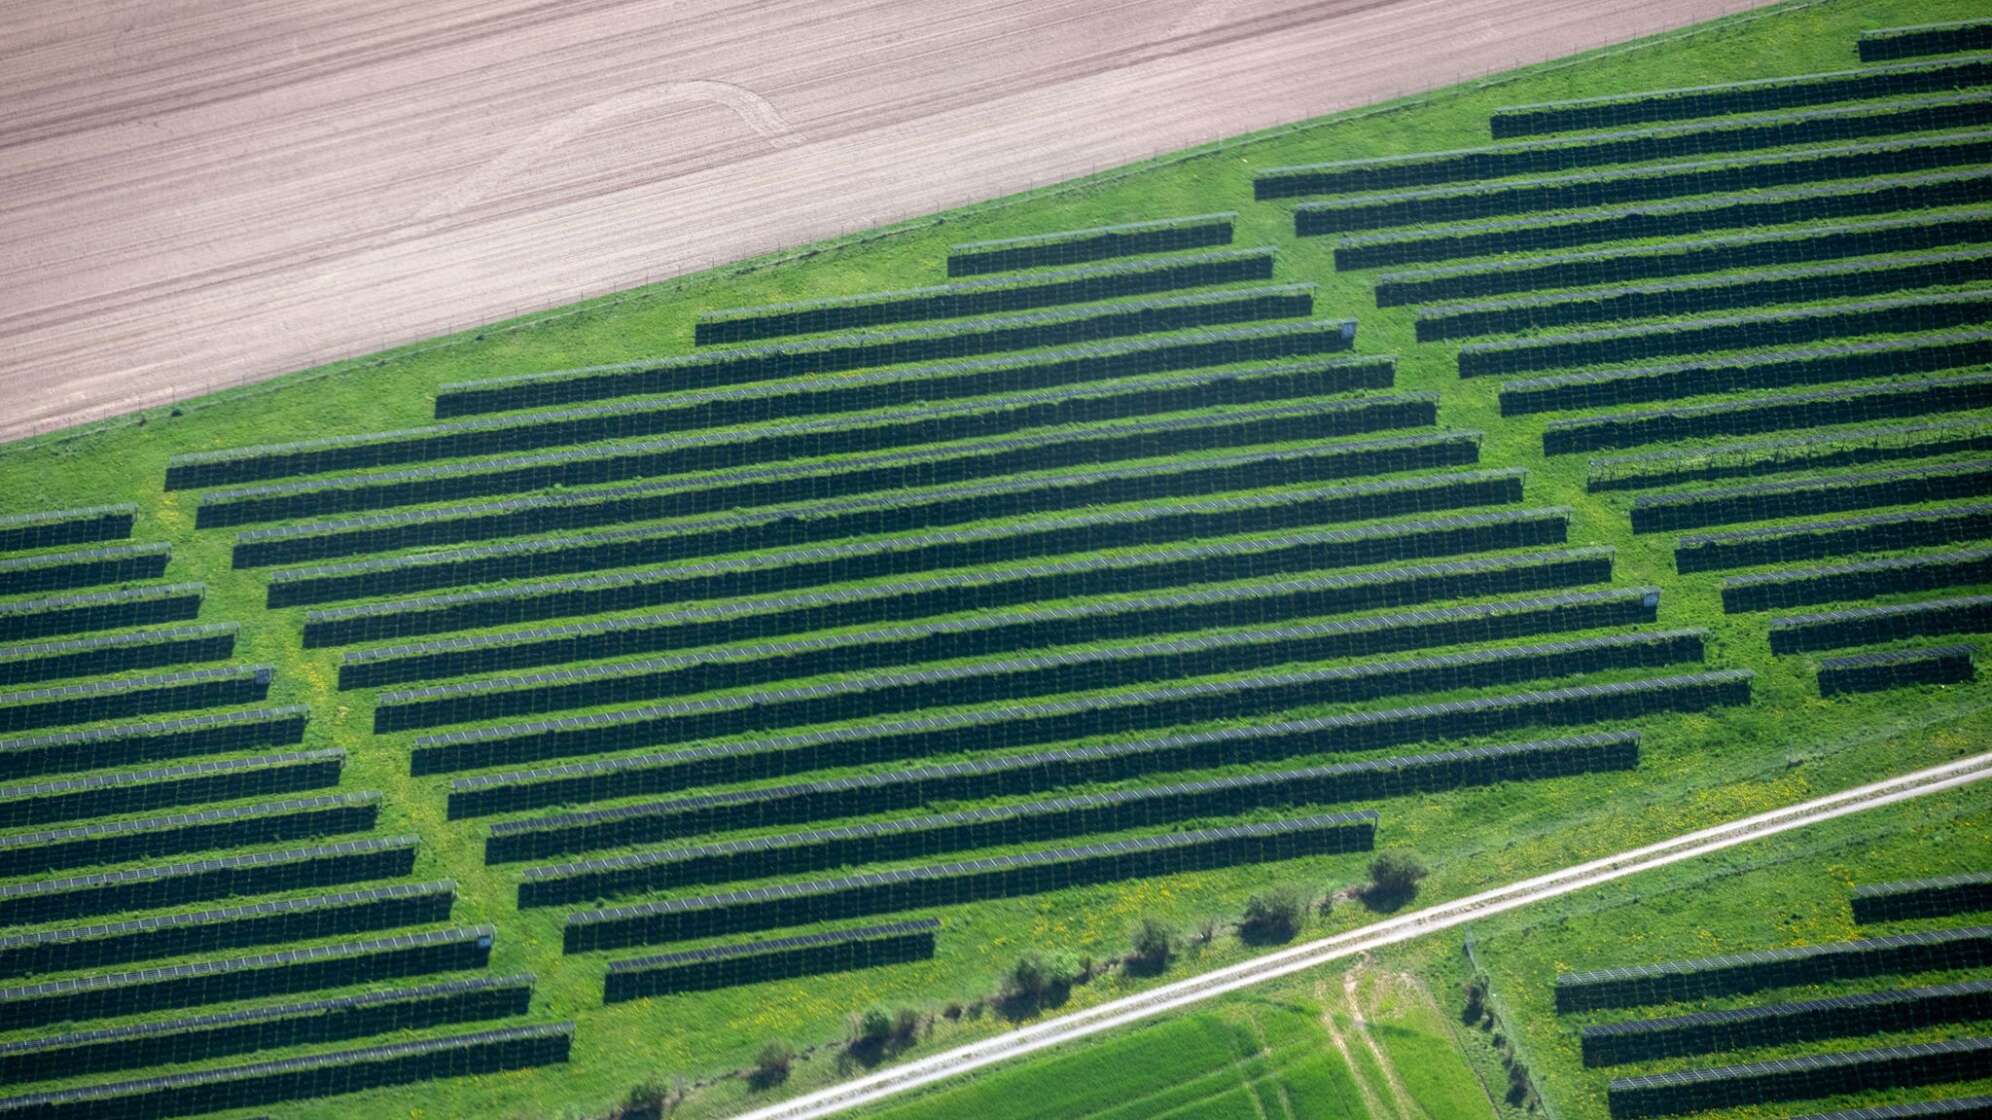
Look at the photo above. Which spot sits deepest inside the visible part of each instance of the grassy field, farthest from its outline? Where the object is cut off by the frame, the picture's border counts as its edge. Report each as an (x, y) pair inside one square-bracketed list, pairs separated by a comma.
[(1787, 745), (1304, 1052)]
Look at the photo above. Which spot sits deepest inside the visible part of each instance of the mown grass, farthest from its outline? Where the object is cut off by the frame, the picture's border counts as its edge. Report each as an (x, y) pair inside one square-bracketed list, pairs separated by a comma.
[(1788, 744)]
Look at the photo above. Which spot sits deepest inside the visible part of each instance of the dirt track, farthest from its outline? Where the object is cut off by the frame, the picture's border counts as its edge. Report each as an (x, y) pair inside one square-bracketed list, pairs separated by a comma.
[(205, 191)]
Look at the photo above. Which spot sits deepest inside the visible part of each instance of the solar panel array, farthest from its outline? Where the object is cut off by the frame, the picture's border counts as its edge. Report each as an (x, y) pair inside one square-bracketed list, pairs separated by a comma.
[(1813, 1042), (1766, 501), (768, 400), (1658, 326), (764, 617), (55, 528), (269, 1027), (855, 433), (1793, 368), (1801, 1078), (1839, 279), (233, 978), (650, 602), (159, 885), (127, 744), (859, 350), (1845, 447), (1721, 135), (192, 784), (1706, 214), (1861, 579), (1857, 626), (1685, 257), (22, 619), (234, 927), (981, 682)]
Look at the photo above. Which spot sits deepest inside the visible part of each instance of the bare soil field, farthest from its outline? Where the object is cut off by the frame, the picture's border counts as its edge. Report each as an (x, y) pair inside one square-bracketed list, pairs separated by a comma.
[(202, 192)]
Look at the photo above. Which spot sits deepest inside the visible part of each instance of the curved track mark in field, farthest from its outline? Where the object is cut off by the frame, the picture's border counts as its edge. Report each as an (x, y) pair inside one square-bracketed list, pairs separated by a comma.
[(753, 110), (1202, 17)]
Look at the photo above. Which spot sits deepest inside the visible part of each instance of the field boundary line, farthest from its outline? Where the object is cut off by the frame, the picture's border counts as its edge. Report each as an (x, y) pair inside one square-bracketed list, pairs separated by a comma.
[(1143, 1005)]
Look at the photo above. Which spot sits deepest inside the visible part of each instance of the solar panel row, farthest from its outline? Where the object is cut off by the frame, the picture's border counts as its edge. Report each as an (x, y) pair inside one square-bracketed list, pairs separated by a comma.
[(1776, 369), (791, 904), (758, 403), (1743, 97), (1653, 221), (116, 653), (1058, 670), (786, 527), (226, 1033), (764, 617), (315, 1075), (996, 825), (836, 354), (1129, 398), (1739, 973), (1275, 512), (131, 744), (984, 297)]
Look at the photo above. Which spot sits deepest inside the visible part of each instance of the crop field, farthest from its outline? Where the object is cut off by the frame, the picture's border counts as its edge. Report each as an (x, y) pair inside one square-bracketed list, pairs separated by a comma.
[(1362, 1044), (724, 688)]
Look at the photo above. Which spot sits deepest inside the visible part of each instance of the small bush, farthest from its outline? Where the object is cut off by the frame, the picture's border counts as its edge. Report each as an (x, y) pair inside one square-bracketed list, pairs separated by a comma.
[(1272, 917), (1476, 1001), (1037, 980), (771, 1065), (1028, 978), (645, 1102), (1154, 946), (1394, 878), (873, 1027)]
